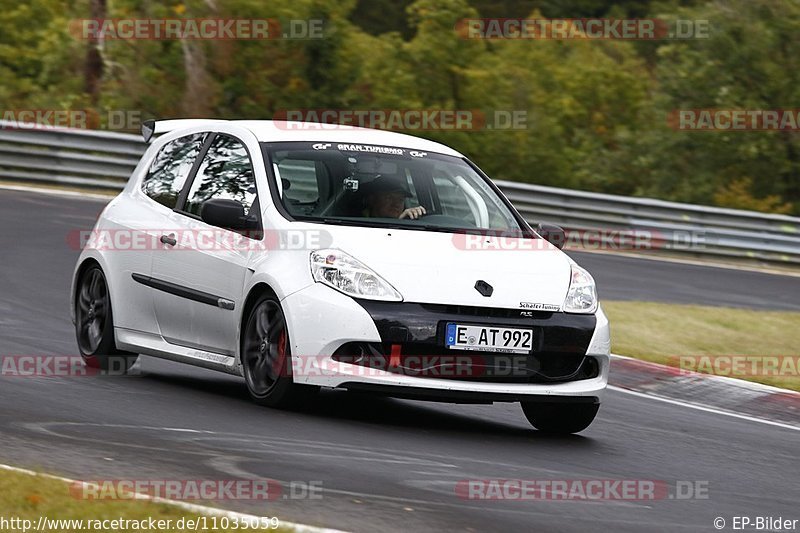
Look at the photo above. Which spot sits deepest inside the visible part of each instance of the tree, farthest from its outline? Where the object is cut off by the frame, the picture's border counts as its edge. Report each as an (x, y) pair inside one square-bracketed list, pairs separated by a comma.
[(751, 61)]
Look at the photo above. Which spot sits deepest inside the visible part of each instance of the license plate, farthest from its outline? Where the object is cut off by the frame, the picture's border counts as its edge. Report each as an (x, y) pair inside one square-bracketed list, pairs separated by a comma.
[(488, 338)]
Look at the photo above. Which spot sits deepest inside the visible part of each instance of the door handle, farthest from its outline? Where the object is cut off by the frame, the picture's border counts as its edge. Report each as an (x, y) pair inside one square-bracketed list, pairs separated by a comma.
[(169, 239)]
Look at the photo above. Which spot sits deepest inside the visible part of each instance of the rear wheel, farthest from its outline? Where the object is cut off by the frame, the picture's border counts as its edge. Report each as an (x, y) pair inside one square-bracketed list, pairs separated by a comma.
[(94, 325), (560, 418), (266, 357)]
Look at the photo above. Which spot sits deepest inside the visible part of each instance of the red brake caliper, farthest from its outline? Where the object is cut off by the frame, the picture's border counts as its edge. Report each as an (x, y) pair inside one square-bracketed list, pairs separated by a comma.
[(278, 364)]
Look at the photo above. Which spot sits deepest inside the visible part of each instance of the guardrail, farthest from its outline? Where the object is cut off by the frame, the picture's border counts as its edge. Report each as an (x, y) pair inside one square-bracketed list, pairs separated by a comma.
[(106, 160), (671, 226), (68, 156)]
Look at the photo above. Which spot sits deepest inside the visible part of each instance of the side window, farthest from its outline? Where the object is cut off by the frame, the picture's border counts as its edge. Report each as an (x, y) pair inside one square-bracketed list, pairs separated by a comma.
[(225, 172), (170, 168)]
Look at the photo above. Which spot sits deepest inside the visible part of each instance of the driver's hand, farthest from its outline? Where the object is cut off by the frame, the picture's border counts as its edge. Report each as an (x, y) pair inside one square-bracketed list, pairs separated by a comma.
[(413, 213)]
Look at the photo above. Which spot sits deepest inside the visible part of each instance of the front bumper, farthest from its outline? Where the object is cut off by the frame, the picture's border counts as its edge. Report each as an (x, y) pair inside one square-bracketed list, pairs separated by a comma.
[(326, 325)]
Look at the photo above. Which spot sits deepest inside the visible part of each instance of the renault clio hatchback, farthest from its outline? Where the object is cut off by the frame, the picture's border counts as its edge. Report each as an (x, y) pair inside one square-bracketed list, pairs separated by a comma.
[(301, 256)]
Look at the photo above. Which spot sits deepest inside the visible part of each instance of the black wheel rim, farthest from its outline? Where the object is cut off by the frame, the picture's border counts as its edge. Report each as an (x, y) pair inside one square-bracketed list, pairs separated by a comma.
[(91, 310), (264, 347)]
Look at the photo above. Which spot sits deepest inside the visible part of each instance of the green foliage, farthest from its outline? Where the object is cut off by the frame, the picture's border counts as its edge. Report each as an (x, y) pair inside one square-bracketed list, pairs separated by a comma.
[(738, 195), (596, 110), (40, 62), (750, 61)]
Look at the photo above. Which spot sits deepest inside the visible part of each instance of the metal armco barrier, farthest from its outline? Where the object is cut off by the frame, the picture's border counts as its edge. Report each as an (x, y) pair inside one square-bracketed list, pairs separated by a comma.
[(106, 160), (682, 228)]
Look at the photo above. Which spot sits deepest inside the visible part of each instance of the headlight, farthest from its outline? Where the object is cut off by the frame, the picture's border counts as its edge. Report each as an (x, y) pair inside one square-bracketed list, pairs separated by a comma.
[(582, 293), (350, 276)]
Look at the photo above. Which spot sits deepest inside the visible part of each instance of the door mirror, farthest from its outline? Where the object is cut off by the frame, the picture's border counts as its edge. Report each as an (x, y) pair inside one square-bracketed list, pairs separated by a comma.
[(552, 234), (225, 213)]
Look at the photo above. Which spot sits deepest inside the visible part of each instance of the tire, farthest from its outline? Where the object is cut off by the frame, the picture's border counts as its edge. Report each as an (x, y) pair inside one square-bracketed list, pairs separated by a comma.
[(94, 325), (560, 418), (266, 358)]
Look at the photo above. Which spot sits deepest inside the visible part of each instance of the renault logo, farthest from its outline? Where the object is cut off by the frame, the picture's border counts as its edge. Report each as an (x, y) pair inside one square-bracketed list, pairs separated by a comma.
[(484, 288)]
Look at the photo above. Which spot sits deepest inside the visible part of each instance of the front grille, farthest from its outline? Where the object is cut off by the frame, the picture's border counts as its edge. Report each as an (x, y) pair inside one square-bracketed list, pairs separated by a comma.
[(488, 312)]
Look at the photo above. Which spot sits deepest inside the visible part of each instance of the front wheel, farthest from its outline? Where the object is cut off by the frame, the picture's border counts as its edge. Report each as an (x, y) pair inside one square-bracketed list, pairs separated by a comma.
[(562, 418), (267, 358), (94, 325)]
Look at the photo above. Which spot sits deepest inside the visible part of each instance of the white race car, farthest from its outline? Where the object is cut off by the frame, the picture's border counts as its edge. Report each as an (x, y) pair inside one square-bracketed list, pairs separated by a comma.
[(302, 256)]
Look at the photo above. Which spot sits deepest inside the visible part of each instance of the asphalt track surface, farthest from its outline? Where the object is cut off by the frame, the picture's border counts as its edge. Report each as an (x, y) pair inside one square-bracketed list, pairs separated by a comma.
[(383, 464), (626, 278)]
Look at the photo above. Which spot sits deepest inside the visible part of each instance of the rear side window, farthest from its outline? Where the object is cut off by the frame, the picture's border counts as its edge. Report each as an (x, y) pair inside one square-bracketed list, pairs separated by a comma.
[(225, 172), (170, 168)]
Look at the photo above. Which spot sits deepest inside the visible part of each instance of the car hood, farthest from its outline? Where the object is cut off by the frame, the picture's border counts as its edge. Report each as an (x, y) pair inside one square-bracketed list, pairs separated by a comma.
[(438, 267)]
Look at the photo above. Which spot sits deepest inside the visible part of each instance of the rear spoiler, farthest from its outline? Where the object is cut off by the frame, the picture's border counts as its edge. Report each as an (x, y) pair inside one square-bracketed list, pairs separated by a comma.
[(157, 127)]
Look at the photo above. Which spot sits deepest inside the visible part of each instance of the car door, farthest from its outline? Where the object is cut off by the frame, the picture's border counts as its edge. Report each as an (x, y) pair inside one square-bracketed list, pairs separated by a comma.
[(200, 271), (140, 217)]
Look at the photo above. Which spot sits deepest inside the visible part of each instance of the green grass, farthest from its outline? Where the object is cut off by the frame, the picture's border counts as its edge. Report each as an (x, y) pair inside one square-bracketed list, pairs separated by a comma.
[(663, 332), (30, 497)]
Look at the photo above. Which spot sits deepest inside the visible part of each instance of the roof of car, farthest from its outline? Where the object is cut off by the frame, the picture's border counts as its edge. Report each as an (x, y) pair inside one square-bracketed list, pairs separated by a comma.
[(283, 131)]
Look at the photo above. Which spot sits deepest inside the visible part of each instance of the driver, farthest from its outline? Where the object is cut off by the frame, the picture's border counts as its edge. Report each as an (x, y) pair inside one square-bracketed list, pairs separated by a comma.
[(385, 197)]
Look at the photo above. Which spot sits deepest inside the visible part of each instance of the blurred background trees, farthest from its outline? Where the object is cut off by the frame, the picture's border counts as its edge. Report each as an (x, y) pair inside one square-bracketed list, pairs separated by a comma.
[(596, 110)]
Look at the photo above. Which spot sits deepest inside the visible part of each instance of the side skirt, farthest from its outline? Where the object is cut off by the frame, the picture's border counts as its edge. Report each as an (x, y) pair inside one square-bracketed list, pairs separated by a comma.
[(156, 346)]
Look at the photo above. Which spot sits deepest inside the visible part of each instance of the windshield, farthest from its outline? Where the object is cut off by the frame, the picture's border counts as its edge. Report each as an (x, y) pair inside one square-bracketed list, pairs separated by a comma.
[(370, 185)]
